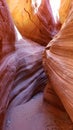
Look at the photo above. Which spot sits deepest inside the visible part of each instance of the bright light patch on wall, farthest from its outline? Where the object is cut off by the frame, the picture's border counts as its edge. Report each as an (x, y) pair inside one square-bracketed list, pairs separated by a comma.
[(18, 34), (36, 4), (55, 5)]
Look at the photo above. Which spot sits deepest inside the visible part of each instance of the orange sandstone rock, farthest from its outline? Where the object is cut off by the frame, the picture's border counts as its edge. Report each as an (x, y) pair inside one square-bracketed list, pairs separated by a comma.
[(64, 9), (58, 62), (38, 25)]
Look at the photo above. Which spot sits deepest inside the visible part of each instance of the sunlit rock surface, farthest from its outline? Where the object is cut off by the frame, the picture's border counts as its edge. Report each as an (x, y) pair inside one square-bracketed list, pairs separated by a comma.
[(36, 23), (64, 9), (58, 62)]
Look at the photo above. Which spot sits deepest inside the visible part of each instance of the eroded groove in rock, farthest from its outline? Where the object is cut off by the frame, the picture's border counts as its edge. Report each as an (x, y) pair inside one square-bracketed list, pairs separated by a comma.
[(30, 77)]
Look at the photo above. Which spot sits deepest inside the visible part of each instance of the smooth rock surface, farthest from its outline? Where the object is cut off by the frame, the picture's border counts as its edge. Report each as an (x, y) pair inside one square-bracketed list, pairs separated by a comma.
[(58, 63), (37, 114), (38, 26)]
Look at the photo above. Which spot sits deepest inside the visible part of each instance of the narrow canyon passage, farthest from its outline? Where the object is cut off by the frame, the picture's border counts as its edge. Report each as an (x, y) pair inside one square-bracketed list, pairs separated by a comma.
[(36, 65)]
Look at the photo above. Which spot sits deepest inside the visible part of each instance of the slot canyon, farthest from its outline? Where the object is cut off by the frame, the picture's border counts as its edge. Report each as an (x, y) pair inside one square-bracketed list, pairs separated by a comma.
[(36, 64)]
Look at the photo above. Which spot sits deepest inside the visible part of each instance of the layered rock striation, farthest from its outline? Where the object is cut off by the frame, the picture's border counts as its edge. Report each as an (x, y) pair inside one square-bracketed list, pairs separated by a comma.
[(58, 62)]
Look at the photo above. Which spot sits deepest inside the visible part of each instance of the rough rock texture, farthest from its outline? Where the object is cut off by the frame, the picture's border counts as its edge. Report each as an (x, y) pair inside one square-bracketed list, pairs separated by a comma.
[(58, 62), (40, 26)]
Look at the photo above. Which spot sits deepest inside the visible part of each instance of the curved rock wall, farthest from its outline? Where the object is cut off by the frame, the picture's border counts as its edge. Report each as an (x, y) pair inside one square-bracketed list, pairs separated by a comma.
[(58, 62)]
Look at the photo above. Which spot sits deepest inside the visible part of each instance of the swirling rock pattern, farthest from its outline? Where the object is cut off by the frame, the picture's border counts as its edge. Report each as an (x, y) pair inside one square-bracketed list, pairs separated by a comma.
[(22, 77), (58, 62)]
